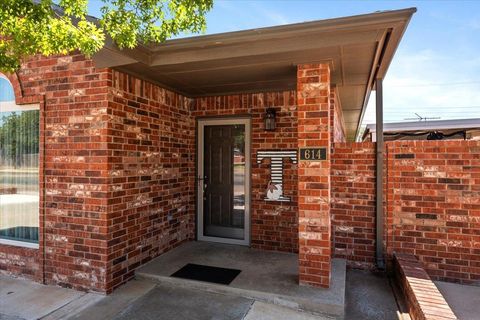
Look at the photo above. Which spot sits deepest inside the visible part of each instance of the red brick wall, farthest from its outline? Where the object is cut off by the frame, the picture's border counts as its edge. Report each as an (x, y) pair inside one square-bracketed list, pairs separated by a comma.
[(313, 99), (119, 172), (76, 170), (151, 184), (434, 206), (152, 187), (353, 203), (18, 261), (273, 224), (73, 224), (118, 176)]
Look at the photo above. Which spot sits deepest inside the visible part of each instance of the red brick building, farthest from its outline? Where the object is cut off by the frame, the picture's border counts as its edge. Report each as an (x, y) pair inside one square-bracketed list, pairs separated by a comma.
[(139, 151)]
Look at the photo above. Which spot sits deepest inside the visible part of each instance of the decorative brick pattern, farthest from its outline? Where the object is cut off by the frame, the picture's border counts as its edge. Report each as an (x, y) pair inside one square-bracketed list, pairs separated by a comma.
[(353, 203), (273, 224), (313, 99), (434, 206), (424, 301)]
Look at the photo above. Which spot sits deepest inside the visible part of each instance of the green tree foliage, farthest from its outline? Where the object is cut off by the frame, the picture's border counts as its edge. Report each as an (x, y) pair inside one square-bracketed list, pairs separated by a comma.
[(48, 27)]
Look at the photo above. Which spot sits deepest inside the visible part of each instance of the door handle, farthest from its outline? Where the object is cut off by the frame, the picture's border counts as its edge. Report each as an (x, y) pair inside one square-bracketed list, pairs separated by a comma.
[(204, 179)]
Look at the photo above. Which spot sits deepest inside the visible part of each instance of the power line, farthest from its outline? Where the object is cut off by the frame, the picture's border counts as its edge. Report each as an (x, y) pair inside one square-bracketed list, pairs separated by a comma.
[(452, 106), (430, 113), (435, 107), (421, 118), (410, 112), (435, 84), (440, 107)]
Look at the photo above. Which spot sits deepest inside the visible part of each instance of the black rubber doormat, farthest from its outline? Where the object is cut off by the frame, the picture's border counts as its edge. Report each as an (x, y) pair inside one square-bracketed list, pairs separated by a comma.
[(206, 273)]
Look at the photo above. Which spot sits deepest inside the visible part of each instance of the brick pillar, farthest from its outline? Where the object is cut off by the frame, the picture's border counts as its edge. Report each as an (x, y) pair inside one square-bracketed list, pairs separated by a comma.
[(77, 169), (313, 93)]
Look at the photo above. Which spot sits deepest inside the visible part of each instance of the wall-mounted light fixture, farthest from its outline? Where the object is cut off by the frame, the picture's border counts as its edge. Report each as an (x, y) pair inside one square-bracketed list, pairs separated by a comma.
[(270, 119)]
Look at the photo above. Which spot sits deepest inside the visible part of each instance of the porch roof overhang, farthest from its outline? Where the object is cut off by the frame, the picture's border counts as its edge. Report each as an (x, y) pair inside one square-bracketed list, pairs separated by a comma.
[(359, 49)]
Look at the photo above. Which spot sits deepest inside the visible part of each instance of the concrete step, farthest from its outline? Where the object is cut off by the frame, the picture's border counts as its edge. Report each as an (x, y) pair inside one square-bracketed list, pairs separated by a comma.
[(325, 302)]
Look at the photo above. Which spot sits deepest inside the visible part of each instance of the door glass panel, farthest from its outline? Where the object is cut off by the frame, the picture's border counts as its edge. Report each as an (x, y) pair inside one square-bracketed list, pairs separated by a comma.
[(239, 176), (224, 181)]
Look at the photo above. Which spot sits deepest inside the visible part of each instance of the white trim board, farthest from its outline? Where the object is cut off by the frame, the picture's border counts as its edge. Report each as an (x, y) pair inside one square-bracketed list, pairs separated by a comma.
[(17, 243)]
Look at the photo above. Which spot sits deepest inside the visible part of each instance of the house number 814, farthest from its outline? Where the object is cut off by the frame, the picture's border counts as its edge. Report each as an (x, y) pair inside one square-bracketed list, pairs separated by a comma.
[(313, 154)]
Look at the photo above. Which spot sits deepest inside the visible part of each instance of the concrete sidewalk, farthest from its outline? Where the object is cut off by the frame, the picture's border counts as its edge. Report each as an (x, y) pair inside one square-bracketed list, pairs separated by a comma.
[(154, 301), (139, 299), (464, 300), (368, 297), (24, 299)]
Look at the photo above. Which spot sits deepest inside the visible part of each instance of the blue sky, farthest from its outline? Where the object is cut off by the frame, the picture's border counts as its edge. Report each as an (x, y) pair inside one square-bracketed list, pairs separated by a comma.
[(6, 90), (436, 70)]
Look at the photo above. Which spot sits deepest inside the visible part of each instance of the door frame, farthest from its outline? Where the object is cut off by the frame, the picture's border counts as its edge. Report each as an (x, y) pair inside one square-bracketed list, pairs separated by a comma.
[(201, 123)]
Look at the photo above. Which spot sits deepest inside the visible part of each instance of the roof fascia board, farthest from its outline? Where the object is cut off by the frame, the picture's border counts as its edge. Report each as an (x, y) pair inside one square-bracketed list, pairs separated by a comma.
[(292, 30), (371, 81), (145, 53), (112, 56), (396, 35)]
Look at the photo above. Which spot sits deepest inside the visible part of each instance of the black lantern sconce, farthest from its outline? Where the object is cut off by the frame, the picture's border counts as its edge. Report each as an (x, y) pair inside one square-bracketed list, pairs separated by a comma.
[(270, 119)]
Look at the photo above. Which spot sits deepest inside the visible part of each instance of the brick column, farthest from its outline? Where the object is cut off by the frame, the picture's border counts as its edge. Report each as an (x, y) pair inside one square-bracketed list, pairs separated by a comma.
[(313, 93)]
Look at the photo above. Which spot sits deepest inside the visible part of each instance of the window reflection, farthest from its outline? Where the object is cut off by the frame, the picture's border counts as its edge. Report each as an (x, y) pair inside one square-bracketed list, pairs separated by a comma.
[(239, 177), (19, 165)]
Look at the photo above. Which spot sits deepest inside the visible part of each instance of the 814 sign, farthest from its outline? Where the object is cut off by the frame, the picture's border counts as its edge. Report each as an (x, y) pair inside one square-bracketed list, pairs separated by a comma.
[(313, 154)]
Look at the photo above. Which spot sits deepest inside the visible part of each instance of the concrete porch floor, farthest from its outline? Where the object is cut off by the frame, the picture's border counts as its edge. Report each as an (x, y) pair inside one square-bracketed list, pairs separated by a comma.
[(266, 276)]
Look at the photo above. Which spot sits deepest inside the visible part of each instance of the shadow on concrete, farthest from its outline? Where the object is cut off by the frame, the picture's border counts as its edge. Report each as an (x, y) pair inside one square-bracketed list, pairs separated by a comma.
[(369, 296)]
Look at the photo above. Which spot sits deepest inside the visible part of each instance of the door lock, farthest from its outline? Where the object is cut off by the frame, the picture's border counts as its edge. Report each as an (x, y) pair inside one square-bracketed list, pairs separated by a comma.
[(204, 179)]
